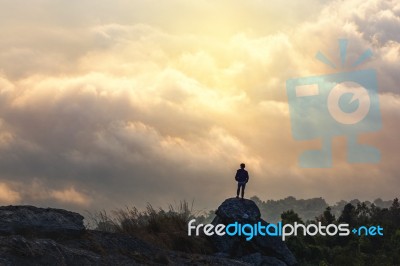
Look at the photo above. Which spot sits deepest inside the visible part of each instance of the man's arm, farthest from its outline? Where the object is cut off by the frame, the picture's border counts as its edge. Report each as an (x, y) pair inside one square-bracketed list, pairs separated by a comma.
[(247, 177), (236, 176)]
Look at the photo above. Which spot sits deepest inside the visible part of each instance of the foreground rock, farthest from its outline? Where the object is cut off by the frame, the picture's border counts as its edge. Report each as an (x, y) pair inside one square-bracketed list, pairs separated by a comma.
[(96, 248), (261, 250), (36, 236), (39, 222)]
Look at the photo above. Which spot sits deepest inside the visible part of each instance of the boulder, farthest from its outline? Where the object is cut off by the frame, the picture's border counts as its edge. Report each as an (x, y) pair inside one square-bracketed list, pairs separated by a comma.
[(28, 220), (238, 210), (270, 248)]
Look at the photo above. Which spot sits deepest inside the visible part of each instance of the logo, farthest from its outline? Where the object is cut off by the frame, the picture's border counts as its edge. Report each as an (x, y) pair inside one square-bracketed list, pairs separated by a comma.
[(338, 104), (249, 231)]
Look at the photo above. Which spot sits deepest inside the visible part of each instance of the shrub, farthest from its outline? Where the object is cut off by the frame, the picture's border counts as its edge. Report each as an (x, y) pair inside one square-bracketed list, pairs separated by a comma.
[(163, 228)]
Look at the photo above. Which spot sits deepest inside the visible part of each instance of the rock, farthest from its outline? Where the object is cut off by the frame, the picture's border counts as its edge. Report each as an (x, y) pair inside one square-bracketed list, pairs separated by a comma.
[(246, 211), (221, 255), (97, 248), (274, 244), (27, 220), (17, 250), (238, 210), (258, 259), (36, 236)]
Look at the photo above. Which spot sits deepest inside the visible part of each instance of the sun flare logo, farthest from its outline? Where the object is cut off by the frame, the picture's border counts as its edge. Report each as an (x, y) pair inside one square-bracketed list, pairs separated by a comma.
[(339, 104)]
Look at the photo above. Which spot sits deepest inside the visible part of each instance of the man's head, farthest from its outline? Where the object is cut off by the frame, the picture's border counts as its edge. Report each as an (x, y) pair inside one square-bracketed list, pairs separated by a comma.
[(242, 165)]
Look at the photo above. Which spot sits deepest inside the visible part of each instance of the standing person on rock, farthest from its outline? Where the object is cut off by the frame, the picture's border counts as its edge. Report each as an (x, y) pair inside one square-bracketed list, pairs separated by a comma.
[(242, 177)]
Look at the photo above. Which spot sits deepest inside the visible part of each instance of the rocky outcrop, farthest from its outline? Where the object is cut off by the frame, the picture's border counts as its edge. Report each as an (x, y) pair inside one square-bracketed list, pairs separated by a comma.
[(39, 221), (37, 236), (96, 248), (261, 250)]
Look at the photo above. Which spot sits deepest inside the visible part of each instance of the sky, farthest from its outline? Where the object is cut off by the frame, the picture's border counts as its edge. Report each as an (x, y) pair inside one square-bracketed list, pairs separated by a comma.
[(106, 104)]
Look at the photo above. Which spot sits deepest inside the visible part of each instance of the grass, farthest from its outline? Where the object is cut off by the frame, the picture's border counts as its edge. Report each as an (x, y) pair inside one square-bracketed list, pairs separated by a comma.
[(163, 228)]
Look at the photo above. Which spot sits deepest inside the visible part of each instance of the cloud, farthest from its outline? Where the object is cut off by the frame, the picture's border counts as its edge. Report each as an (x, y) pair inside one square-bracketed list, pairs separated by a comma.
[(36, 191), (8, 195), (70, 195)]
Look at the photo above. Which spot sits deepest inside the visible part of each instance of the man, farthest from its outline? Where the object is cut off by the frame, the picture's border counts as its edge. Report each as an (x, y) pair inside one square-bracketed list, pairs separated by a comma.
[(242, 177)]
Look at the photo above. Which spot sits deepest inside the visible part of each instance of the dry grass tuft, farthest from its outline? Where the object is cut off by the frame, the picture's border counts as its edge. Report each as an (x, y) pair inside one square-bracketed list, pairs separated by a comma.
[(163, 228)]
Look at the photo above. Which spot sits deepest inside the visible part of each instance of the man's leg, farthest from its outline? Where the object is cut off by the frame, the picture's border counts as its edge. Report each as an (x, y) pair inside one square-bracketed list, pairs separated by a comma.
[(243, 187), (238, 190)]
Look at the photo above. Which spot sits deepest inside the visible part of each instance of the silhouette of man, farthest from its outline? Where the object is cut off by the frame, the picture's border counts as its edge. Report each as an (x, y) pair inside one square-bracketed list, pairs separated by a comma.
[(242, 177)]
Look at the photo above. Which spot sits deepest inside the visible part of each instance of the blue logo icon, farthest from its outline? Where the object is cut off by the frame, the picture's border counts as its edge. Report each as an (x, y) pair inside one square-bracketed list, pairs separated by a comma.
[(339, 104)]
